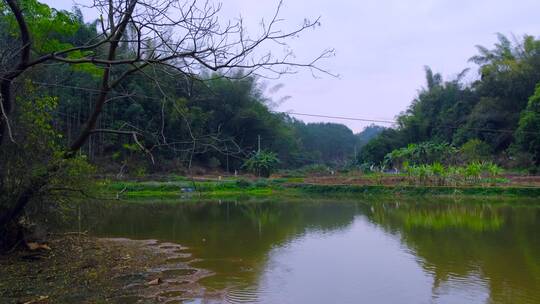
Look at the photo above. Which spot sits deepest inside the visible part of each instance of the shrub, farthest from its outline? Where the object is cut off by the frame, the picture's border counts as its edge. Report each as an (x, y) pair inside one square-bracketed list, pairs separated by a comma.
[(261, 183), (213, 163), (473, 171), (365, 168), (475, 150), (422, 153), (262, 163), (315, 169), (438, 174), (492, 169), (243, 183), (529, 123)]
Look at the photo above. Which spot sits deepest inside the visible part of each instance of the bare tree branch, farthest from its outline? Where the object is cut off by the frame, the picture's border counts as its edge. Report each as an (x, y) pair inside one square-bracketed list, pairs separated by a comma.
[(186, 35)]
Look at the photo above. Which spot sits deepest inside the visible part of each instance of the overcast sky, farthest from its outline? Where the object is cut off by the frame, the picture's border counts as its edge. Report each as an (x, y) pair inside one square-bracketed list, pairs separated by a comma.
[(381, 47)]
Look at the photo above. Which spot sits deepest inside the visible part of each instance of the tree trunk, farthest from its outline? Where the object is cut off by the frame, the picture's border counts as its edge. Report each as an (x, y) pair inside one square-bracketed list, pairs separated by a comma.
[(7, 78), (9, 220), (5, 96)]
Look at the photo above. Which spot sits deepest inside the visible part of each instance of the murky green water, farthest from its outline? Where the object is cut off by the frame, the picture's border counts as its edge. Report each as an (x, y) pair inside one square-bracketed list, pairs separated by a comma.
[(348, 252)]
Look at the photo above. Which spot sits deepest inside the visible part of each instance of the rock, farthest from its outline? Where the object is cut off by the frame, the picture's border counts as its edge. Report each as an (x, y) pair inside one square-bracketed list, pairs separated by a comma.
[(36, 246), (155, 282)]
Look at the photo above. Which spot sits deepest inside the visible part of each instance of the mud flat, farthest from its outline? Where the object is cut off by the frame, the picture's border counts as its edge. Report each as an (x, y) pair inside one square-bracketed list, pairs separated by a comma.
[(83, 269)]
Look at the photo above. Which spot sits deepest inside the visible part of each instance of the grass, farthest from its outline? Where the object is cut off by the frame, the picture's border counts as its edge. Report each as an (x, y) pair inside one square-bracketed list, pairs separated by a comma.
[(422, 190), (292, 187)]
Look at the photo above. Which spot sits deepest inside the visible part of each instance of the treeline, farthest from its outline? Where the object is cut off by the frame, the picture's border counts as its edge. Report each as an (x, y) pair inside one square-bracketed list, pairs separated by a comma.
[(494, 118), (176, 122)]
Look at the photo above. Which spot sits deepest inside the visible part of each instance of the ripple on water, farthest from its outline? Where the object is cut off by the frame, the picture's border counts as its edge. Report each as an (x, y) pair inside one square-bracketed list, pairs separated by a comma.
[(242, 295), (472, 288)]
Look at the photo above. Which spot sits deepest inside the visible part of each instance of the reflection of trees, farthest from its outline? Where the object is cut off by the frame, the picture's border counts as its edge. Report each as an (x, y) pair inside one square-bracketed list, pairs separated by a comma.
[(268, 223), (221, 232), (453, 240), (439, 217), (458, 240), (260, 215)]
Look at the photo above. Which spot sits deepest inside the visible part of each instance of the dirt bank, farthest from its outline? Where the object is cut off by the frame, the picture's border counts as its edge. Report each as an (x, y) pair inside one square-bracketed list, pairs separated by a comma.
[(81, 269)]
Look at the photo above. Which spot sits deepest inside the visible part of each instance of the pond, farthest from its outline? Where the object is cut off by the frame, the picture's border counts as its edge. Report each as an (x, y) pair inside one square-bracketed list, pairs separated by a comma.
[(336, 251)]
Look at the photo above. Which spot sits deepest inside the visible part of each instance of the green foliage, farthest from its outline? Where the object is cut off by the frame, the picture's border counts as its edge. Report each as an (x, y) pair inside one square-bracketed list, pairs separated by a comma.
[(437, 174), (50, 28), (492, 169), (368, 134), (37, 148), (86, 68), (475, 150), (262, 163), (528, 132), (473, 171), (376, 149), (223, 116), (261, 183), (481, 116), (140, 172), (366, 168), (38, 114), (243, 183), (325, 143), (422, 153)]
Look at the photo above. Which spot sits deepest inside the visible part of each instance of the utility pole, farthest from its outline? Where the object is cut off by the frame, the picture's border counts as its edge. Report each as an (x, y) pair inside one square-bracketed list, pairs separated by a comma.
[(259, 140), (227, 152)]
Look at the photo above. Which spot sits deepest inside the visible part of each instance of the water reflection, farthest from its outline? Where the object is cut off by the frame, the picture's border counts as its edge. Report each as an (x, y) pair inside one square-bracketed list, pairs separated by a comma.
[(347, 252), (495, 245)]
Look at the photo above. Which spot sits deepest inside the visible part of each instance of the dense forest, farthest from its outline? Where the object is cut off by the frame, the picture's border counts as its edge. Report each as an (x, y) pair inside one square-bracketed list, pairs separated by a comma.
[(495, 117), (144, 157), (215, 122), (207, 120), (148, 87), (128, 98)]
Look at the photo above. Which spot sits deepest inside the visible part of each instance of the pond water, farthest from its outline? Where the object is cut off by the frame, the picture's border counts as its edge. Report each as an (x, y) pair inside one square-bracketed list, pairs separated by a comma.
[(335, 251)]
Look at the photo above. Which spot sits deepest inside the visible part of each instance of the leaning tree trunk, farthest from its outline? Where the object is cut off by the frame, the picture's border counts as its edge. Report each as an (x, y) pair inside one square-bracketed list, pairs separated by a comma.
[(9, 219), (10, 230)]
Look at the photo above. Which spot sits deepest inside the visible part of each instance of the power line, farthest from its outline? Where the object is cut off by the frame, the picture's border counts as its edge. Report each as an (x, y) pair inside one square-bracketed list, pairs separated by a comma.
[(94, 90), (393, 122), (341, 117)]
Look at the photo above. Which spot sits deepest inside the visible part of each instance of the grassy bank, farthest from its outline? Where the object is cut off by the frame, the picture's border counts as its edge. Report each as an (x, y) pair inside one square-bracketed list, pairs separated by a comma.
[(179, 187), (421, 190)]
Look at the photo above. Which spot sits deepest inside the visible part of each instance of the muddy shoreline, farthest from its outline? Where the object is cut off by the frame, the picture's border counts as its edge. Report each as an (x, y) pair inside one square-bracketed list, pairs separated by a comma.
[(83, 269)]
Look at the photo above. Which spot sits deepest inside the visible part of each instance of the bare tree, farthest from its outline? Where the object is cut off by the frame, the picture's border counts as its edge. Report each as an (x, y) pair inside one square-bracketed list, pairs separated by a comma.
[(185, 36)]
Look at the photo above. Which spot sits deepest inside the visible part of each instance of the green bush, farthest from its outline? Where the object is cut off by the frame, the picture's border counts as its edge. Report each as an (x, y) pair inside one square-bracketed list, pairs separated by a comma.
[(261, 183), (262, 163), (529, 124), (475, 150), (243, 183), (440, 175), (422, 153)]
